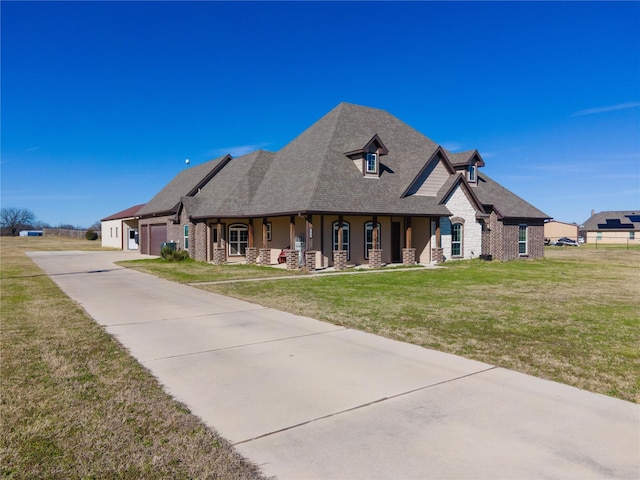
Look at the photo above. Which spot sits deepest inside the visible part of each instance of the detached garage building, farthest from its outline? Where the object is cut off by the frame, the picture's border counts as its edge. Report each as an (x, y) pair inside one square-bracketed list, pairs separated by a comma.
[(554, 230)]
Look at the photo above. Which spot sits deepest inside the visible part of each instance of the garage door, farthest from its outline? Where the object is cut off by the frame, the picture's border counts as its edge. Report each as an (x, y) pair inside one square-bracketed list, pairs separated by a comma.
[(158, 237)]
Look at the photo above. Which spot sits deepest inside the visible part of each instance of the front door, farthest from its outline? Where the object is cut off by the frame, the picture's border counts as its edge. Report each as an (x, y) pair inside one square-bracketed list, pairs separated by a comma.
[(133, 239), (396, 256)]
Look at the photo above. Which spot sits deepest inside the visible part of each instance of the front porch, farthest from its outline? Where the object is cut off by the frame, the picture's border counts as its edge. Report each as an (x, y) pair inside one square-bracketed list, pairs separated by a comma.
[(317, 242)]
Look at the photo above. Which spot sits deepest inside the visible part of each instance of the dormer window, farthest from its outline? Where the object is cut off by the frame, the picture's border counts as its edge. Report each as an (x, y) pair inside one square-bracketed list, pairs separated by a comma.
[(472, 173), (372, 163)]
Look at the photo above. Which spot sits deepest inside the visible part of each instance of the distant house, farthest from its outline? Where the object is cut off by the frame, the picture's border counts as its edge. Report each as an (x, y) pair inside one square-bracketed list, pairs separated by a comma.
[(120, 230), (613, 227), (358, 186), (554, 230)]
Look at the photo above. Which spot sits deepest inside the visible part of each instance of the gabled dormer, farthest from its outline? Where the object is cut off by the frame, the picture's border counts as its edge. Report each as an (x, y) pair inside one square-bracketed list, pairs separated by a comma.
[(469, 162), (367, 158)]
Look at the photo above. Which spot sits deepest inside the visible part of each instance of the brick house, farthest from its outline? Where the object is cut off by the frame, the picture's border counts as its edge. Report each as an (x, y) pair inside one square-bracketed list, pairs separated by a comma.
[(357, 187)]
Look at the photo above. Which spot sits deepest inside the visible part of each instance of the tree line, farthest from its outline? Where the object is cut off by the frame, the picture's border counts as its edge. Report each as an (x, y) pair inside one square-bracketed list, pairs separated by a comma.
[(13, 220)]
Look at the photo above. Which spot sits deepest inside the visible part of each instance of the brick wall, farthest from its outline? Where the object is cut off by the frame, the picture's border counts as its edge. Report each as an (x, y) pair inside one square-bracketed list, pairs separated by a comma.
[(199, 241)]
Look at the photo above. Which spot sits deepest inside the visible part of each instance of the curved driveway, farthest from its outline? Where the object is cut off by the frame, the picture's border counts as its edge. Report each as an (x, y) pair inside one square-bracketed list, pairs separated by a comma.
[(307, 399)]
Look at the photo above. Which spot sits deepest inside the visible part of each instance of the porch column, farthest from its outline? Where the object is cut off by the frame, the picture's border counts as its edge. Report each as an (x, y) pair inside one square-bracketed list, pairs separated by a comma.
[(408, 253), (340, 255), (310, 253), (293, 258), (265, 252), (375, 253), (218, 251), (251, 254), (437, 253)]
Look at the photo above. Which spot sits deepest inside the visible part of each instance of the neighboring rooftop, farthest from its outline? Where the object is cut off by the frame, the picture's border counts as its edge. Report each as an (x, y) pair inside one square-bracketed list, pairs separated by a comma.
[(614, 220)]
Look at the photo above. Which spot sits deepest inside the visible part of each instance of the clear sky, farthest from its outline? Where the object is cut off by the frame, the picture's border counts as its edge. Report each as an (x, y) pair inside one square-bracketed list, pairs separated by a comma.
[(102, 102)]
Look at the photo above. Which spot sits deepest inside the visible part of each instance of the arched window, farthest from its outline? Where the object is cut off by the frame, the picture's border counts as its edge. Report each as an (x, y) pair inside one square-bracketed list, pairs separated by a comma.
[(345, 237), (456, 240), (368, 238), (238, 239)]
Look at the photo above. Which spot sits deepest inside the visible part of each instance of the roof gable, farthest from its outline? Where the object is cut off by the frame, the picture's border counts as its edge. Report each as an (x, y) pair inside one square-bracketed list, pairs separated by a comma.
[(432, 176), (186, 183), (463, 159)]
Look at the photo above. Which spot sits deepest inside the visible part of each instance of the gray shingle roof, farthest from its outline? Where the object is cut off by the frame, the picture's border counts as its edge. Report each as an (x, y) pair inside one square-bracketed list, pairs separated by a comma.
[(506, 203), (312, 174), (167, 199), (628, 220)]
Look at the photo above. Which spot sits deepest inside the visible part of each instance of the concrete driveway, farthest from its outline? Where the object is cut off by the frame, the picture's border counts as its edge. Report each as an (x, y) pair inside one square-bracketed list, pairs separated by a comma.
[(307, 399)]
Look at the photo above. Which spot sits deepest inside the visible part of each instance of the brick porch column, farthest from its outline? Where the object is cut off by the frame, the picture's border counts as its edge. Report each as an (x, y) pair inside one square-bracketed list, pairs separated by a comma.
[(375, 258), (310, 260), (340, 259), (408, 256), (437, 255), (293, 260), (264, 257), (251, 254), (219, 256)]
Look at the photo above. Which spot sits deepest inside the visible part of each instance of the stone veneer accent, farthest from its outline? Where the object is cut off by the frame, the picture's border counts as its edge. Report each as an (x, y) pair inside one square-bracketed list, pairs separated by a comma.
[(340, 259), (251, 254), (408, 256), (219, 256), (264, 256), (293, 259), (437, 255), (375, 258)]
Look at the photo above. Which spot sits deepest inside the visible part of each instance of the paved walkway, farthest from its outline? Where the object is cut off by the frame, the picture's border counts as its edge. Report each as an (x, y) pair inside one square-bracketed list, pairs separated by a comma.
[(307, 399)]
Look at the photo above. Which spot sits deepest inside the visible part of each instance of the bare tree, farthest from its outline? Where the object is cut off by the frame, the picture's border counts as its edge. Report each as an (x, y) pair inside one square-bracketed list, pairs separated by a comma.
[(12, 220)]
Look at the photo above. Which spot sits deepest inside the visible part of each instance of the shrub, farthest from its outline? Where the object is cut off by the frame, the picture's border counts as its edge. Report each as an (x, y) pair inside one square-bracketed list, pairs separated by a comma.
[(91, 234), (171, 255)]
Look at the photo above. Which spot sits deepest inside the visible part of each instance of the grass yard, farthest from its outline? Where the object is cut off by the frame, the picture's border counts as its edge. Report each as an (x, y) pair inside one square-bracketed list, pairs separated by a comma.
[(74, 404), (572, 317)]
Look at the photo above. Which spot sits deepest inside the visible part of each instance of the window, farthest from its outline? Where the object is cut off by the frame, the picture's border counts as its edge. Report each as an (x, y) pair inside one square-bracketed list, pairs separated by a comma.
[(116, 232), (186, 237), (345, 237), (368, 238), (598, 235), (238, 239), (632, 235), (472, 173), (522, 239), (456, 240), (269, 232), (372, 162)]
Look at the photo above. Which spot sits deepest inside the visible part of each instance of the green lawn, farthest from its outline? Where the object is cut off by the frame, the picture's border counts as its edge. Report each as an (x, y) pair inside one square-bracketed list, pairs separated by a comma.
[(572, 317), (74, 404)]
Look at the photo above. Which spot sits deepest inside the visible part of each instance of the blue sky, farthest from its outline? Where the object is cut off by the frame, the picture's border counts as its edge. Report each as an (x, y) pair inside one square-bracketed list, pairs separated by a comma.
[(102, 102)]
